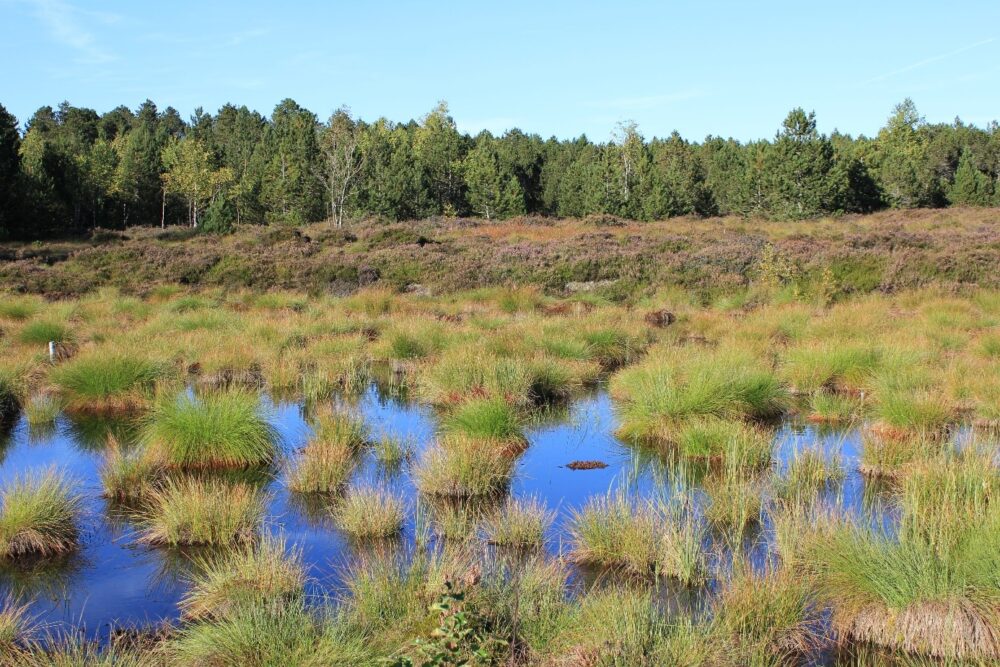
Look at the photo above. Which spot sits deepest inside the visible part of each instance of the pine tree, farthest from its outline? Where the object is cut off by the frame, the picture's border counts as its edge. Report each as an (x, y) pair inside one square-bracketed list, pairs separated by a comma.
[(494, 190), (971, 187)]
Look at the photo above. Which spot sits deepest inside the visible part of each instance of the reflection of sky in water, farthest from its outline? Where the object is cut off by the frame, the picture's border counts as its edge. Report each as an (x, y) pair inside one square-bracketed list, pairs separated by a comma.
[(114, 579)]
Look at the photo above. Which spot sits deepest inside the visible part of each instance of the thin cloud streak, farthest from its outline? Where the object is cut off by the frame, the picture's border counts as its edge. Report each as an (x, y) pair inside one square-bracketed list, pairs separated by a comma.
[(61, 22), (928, 61)]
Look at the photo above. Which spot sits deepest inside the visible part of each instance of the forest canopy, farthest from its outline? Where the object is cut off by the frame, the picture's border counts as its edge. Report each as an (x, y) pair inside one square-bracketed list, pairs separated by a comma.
[(70, 170)]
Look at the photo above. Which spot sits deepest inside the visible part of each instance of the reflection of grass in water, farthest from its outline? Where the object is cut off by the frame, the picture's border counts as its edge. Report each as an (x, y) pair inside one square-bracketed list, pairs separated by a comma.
[(315, 508), (90, 433), (41, 578), (454, 518)]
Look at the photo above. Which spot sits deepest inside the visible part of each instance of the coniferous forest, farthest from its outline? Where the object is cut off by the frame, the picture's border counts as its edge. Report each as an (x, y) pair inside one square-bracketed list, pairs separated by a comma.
[(68, 170)]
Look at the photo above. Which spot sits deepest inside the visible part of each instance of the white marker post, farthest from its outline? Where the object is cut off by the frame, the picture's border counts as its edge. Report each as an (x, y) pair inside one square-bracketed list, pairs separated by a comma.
[(52, 351)]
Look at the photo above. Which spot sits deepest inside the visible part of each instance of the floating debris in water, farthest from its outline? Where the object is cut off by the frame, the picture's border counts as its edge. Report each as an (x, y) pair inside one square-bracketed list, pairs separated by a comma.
[(586, 465)]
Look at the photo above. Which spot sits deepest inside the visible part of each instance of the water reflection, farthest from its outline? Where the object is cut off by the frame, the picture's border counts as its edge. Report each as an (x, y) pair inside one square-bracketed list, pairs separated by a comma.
[(113, 578)]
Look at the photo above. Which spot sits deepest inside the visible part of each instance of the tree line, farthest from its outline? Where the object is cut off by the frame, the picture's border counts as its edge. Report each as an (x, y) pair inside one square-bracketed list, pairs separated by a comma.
[(71, 170)]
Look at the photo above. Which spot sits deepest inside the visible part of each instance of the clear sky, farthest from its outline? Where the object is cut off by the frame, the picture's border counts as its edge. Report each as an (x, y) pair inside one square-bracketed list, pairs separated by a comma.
[(557, 67)]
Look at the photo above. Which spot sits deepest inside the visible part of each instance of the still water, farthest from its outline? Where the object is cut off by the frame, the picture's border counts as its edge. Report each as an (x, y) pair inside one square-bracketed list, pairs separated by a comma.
[(113, 580)]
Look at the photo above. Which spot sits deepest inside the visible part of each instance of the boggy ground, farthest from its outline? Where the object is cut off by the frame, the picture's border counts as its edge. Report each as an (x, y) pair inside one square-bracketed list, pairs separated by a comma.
[(735, 554), (886, 251)]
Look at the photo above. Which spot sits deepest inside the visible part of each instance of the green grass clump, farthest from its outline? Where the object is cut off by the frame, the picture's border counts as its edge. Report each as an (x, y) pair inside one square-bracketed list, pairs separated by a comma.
[(107, 381), (906, 594), (913, 410), (10, 403), (830, 366), (490, 418), (640, 538), (891, 456), (41, 332), (404, 345), (656, 395), (612, 348), (712, 438), (268, 635), (326, 462), (461, 373), (625, 626), (253, 574), (370, 512), (825, 407), (38, 515), (460, 466), (930, 586), (769, 618), (391, 451), (449, 518), (219, 430), (734, 500), (202, 511), (128, 474), (19, 308), (808, 472), (42, 410), (15, 627), (520, 523)]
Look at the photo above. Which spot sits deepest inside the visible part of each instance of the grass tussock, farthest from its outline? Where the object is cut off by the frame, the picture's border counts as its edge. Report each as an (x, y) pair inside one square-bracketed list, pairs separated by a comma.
[(219, 430), (490, 419), (370, 513), (39, 513), (202, 512), (42, 332), (15, 629), (104, 381), (520, 523), (265, 635), (809, 471), (768, 619), (326, 462), (260, 573), (460, 466), (930, 587), (658, 394), (716, 440), (128, 474), (638, 537)]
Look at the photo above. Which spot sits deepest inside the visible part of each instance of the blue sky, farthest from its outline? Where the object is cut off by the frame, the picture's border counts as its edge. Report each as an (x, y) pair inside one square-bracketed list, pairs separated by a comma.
[(560, 67)]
